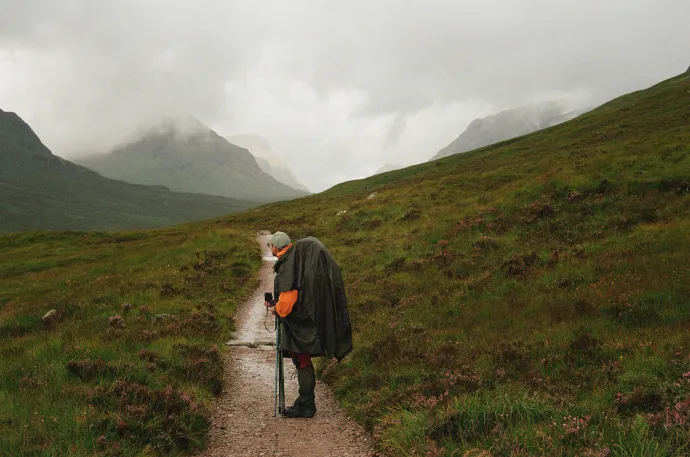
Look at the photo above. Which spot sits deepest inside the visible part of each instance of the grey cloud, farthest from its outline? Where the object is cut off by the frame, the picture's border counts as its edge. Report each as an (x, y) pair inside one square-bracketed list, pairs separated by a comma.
[(339, 88), (504, 52), (102, 68), (396, 130)]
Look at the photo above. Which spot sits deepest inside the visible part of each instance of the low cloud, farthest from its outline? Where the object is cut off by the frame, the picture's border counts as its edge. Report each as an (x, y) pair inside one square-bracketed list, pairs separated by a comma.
[(339, 88)]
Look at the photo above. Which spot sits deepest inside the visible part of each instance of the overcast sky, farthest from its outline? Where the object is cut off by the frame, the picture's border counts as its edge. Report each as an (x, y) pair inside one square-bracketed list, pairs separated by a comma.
[(338, 87)]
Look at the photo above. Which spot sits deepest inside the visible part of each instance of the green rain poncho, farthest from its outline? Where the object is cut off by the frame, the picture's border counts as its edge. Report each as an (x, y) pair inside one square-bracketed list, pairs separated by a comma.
[(319, 323)]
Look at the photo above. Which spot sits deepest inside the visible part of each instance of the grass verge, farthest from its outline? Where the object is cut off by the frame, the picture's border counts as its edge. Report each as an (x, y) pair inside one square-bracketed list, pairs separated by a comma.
[(129, 362)]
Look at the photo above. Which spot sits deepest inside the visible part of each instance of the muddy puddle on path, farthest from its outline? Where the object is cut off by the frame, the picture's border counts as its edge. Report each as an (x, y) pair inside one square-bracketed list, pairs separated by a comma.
[(243, 422)]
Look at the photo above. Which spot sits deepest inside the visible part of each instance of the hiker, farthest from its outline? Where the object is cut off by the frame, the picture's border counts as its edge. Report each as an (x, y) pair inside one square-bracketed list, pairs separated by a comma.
[(312, 306)]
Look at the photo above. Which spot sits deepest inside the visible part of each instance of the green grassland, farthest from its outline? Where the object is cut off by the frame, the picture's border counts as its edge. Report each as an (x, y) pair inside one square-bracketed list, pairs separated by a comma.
[(93, 383), (528, 298)]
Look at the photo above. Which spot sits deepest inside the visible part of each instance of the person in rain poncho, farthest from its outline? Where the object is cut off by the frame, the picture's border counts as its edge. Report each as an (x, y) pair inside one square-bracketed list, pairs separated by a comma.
[(312, 306)]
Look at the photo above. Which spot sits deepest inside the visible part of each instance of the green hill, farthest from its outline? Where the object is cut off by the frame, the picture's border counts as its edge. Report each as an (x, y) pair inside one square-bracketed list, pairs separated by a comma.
[(41, 191), (527, 298), (506, 125), (192, 158)]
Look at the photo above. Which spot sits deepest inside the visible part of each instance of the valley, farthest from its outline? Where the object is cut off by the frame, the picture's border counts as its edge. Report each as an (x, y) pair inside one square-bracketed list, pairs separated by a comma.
[(529, 297)]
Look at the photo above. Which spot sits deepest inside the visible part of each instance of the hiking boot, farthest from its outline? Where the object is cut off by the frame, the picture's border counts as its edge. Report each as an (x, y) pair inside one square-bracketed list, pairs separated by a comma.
[(298, 404), (300, 411)]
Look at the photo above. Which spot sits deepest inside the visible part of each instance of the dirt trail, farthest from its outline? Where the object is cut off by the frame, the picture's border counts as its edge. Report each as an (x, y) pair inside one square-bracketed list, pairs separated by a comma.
[(243, 422)]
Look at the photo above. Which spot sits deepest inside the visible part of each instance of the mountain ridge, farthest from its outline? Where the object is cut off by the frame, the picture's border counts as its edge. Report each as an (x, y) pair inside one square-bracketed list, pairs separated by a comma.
[(40, 190), (267, 159), (25, 138), (197, 160), (508, 124)]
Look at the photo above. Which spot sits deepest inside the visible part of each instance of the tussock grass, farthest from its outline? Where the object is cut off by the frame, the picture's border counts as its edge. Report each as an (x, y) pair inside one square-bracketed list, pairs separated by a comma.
[(132, 363), (527, 298)]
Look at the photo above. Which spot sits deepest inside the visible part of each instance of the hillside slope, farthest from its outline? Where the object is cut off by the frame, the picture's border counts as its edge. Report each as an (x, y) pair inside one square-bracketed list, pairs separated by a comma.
[(41, 191), (506, 125), (191, 159), (527, 298), (267, 159), (127, 364)]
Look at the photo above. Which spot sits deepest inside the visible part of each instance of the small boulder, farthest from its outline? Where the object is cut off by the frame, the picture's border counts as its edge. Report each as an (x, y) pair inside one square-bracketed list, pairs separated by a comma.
[(116, 322), (50, 317), (126, 307)]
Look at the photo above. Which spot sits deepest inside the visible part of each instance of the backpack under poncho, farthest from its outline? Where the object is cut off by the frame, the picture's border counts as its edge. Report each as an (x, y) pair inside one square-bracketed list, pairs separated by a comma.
[(319, 323)]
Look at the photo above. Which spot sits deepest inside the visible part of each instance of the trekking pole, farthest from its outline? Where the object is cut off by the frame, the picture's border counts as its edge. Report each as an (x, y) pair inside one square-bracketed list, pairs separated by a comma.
[(281, 372), (275, 377), (279, 390)]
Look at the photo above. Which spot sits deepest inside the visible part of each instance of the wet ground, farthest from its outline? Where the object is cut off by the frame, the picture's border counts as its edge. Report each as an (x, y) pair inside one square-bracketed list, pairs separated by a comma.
[(243, 422)]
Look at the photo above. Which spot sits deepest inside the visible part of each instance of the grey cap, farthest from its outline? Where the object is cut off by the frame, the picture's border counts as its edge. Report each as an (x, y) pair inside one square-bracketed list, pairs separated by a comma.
[(279, 240)]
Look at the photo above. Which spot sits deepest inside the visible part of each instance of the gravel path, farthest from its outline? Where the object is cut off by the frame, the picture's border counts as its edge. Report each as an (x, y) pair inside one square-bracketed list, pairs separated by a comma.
[(243, 422)]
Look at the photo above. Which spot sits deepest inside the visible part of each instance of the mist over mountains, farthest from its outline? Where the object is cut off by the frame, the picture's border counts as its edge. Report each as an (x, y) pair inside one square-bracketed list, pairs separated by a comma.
[(508, 124), (267, 159), (526, 293), (187, 156), (337, 89), (39, 190)]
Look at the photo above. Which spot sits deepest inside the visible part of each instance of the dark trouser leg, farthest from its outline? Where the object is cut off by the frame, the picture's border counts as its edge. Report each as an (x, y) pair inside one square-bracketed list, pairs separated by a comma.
[(305, 405), (307, 382)]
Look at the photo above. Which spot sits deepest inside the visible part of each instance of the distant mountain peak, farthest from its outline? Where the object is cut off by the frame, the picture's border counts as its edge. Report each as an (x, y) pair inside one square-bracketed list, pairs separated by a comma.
[(508, 124), (184, 125), (43, 191), (187, 156), (17, 137), (256, 140), (268, 160), (180, 128)]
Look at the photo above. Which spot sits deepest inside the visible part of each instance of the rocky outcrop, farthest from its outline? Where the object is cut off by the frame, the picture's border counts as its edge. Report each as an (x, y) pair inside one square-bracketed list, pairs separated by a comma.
[(51, 317)]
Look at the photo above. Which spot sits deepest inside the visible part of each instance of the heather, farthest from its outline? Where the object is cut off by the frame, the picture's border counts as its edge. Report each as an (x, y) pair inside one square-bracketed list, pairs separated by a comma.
[(527, 298), (129, 361)]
